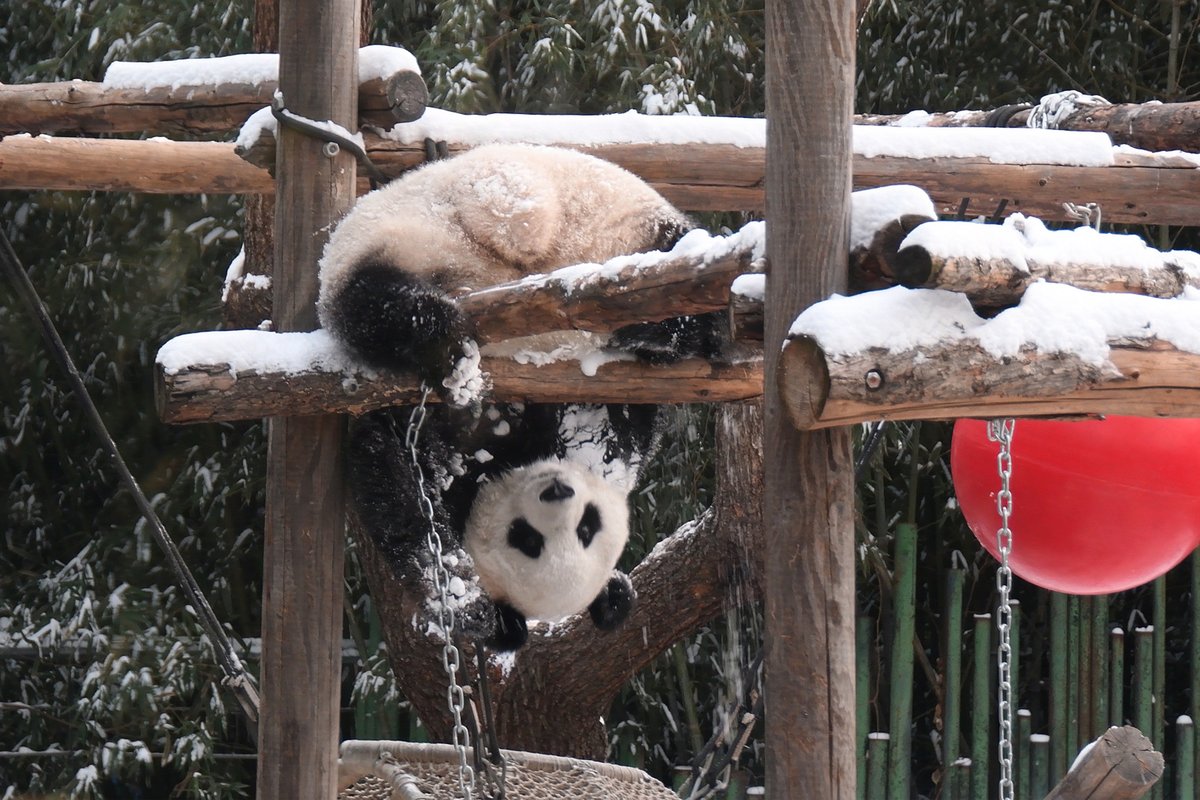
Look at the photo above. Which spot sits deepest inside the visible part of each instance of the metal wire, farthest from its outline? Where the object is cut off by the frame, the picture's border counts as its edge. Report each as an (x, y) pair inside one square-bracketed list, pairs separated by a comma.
[(236, 678), (1002, 431)]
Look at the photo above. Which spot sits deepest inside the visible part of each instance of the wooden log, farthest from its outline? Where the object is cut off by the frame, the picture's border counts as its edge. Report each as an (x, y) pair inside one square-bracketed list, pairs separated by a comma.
[(1121, 765), (626, 290), (81, 107), (1150, 126), (1156, 190), (214, 393), (808, 501), (998, 279), (123, 165), (305, 526), (1145, 378)]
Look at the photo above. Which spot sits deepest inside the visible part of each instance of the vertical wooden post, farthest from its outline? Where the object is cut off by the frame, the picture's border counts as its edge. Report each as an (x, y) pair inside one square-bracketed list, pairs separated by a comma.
[(305, 526), (808, 503)]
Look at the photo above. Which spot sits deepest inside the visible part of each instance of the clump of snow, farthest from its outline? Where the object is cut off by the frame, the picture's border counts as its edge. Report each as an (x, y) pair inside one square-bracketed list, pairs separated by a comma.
[(234, 272), (872, 209), (466, 382), (252, 69), (549, 348), (253, 127), (1052, 318), (258, 351), (1182, 155), (970, 240), (752, 286), (998, 145)]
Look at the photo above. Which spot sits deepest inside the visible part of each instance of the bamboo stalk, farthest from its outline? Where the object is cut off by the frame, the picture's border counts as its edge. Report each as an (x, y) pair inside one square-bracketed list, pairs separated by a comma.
[(1116, 677), (1100, 665), (1143, 679), (877, 766), (903, 600), (683, 674), (1039, 772), (1021, 752), (981, 713), (1185, 749), (952, 682), (1158, 679), (1059, 679), (1073, 668), (862, 698)]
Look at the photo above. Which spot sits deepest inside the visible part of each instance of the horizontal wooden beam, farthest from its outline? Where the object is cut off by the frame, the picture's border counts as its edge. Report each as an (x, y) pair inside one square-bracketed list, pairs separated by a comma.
[(1150, 126), (81, 107), (215, 393), (1144, 378), (695, 177)]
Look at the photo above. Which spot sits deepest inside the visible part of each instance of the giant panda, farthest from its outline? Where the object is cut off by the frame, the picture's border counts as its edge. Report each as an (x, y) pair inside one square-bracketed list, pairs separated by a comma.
[(536, 494)]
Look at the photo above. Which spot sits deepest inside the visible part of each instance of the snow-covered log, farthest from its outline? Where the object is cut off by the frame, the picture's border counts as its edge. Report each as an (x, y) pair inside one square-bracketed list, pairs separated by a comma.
[(1138, 188), (232, 375), (1149, 126), (198, 96), (994, 264), (924, 354)]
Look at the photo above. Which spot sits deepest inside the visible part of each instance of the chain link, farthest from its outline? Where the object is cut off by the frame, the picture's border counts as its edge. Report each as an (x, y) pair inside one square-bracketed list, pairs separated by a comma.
[(1002, 431), (451, 662)]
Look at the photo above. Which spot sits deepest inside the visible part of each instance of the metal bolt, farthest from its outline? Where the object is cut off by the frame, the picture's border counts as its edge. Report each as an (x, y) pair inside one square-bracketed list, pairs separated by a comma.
[(331, 149), (873, 379)]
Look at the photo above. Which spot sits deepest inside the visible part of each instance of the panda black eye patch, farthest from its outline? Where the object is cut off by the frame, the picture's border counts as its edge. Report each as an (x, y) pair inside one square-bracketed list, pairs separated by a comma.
[(589, 525), (526, 538)]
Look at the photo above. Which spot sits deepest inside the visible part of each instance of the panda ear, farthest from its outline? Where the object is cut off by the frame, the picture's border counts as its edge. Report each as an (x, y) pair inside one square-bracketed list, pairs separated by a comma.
[(613, 604)]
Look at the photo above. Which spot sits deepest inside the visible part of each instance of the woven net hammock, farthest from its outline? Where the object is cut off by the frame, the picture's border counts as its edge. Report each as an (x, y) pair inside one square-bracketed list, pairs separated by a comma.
[(389, 770)]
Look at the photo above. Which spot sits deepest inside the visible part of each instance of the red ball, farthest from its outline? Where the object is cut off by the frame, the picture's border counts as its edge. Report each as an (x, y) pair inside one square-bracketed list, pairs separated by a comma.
[(1098, 505)]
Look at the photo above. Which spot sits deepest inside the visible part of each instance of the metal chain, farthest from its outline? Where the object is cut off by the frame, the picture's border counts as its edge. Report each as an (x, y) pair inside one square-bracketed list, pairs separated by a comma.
[(1002, 431), (455, 697)]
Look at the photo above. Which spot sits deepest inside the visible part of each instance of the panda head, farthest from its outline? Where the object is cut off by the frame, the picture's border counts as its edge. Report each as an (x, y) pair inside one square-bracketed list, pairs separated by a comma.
[(546, 537)]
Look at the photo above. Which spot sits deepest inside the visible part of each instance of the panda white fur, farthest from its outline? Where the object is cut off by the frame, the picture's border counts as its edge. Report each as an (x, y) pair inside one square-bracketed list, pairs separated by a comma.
[(538, 492)]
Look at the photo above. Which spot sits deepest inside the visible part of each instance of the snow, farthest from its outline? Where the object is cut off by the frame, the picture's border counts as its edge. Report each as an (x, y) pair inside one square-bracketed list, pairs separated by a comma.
[(374, 61), (872, 209), (999, 145), (259, 351), (1022, 241), (753, 286), (1087, 748), (1052, 318), (1183, 719)]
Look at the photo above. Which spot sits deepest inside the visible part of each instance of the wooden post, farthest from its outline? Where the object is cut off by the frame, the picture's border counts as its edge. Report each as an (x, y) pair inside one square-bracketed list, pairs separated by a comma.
[(1120, 765), (305, 526), (809, 502)]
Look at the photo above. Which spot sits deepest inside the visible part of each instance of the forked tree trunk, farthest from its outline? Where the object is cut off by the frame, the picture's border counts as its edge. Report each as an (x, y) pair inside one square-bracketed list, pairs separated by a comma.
[(553, 697)]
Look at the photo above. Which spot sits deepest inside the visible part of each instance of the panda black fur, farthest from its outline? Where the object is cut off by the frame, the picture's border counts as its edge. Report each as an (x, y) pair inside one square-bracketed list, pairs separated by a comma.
[(537, 494)]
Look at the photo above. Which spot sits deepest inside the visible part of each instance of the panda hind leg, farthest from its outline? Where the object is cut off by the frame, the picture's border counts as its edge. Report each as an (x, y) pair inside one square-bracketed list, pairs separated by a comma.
[(671, 340), (612, 606), (394, 320)]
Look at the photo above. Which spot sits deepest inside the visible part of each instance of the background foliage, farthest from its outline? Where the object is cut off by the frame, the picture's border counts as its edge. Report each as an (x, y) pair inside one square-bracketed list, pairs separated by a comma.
[(102, 667)]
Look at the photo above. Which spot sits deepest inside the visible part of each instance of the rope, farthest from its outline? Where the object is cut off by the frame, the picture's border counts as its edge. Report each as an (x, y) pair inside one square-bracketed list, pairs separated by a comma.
[(236, 678)]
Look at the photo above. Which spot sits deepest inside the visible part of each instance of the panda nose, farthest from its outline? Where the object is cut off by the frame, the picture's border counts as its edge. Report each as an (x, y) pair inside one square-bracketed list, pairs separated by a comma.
[(556, 491)]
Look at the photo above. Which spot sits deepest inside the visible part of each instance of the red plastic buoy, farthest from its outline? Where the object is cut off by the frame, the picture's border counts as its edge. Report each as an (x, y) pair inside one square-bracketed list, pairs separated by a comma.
[(1098, 505)]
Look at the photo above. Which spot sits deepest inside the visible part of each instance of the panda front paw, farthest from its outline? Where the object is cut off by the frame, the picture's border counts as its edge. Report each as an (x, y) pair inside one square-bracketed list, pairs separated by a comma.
[(511, 631), (612, 606), (674, 339)]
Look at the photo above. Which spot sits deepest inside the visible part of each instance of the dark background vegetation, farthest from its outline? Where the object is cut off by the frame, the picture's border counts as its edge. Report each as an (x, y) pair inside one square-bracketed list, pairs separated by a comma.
[(122, 683)]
